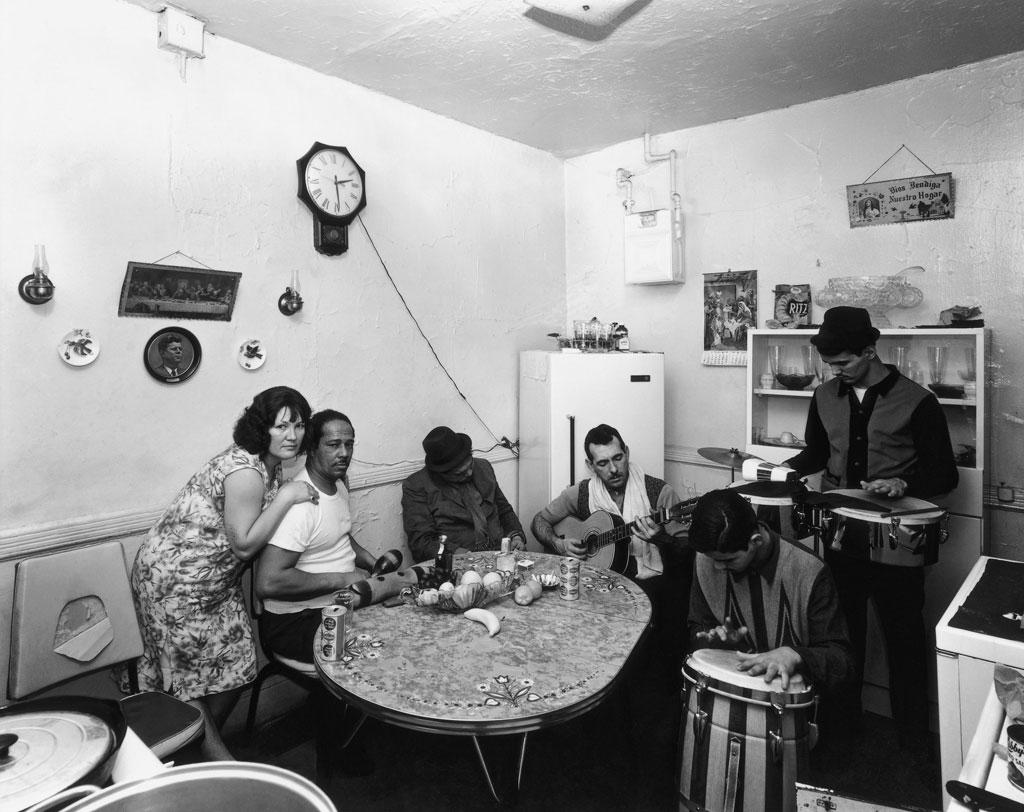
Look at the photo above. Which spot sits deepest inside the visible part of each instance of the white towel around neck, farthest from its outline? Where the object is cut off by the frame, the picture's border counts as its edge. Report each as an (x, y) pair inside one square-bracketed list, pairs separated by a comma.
[(634, 504)]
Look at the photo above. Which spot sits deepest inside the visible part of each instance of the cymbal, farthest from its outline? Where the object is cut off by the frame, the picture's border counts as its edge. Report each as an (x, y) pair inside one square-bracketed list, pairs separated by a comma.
[(732, 457)]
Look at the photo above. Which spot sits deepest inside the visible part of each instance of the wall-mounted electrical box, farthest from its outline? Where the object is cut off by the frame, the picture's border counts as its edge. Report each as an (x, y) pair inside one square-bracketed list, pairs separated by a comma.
[(649, 249), (178, 31)]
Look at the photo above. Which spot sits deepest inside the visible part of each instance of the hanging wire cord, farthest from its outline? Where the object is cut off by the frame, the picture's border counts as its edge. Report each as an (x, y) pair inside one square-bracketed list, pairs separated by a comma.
[(504, 442)]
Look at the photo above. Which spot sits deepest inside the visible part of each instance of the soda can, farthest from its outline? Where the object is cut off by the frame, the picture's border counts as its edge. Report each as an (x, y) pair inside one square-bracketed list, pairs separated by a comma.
[(569, 588), (332, 633)]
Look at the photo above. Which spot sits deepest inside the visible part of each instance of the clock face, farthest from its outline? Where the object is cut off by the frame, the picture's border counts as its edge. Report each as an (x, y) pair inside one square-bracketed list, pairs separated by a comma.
[(333, 182)]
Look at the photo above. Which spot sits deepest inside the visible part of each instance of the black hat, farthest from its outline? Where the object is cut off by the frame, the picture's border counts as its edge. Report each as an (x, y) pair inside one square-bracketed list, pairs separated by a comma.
[(845, 329), (446, 449)]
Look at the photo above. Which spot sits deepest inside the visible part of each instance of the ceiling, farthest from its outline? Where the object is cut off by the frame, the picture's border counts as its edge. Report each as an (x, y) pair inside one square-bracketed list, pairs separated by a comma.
[(568, 88)]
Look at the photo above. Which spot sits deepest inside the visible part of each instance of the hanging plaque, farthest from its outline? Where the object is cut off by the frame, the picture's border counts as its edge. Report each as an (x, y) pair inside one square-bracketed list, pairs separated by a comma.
[(926, 197)]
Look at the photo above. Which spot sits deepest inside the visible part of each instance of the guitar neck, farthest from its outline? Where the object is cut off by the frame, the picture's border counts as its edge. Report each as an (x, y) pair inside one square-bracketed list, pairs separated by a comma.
[(660, 516)]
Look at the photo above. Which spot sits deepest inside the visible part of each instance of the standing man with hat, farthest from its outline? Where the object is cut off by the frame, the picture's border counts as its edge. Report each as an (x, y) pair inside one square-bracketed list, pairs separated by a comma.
[(457, 496), (871, 427)]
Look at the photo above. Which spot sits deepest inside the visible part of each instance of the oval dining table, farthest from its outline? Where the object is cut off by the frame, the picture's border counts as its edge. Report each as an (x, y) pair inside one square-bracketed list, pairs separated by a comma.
[(439, 672)]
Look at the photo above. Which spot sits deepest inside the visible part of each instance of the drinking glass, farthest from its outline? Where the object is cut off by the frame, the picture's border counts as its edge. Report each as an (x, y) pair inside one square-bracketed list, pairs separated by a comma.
[(820, 368), (807, 353), (776, 357), (900, 357), (937, 363), (579, 333), (970, 373)]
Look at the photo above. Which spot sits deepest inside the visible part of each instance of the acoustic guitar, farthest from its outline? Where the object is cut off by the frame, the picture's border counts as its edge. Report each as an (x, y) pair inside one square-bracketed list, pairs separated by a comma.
[(607, 535)]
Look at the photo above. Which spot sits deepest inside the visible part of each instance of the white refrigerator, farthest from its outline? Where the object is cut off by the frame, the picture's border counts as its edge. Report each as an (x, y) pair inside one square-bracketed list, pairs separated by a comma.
[(562, 395)]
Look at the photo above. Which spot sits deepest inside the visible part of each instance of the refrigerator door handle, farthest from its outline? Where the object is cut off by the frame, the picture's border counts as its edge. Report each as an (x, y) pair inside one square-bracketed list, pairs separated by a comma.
[(572, 448)]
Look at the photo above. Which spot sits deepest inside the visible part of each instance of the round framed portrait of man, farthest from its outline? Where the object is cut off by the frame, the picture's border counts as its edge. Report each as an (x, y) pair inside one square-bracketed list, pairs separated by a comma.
[(172, 355)]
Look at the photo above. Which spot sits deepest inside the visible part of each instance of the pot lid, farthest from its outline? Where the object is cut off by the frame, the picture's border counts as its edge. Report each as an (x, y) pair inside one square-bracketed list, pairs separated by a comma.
[(53, 750)]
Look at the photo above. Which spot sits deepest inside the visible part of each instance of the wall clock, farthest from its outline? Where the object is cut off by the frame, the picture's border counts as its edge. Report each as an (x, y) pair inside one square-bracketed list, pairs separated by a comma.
[(333, 187)]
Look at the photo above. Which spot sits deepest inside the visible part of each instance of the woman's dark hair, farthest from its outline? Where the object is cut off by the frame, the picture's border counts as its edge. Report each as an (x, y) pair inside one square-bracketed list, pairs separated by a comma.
[(723, 522), (602, 434), (315, 427), (252, 431)]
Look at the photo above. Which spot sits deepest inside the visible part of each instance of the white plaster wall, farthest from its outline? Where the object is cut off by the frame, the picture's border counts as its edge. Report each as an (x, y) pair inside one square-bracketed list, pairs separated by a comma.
[(107, 155), (768, 193)]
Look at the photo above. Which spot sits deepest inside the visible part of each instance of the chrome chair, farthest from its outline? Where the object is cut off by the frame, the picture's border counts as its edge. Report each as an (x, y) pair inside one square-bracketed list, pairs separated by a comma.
[(305, 675), (74, 615)]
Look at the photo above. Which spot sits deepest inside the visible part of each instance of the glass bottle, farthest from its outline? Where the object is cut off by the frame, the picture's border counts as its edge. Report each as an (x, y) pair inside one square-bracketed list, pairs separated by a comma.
[(505, 561), (443, 561)]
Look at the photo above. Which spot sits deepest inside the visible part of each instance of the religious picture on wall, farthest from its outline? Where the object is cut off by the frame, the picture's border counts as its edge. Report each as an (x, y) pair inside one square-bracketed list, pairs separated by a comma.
[(172, 355), (730, 311), (905, 200), (176, 292)]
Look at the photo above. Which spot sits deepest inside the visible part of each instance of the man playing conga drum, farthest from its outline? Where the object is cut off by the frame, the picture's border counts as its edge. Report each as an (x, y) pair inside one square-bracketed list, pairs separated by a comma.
[(770, 599), (870, 427)]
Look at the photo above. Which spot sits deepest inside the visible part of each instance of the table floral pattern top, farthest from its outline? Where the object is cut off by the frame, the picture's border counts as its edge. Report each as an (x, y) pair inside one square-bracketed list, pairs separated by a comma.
[(435, 670)]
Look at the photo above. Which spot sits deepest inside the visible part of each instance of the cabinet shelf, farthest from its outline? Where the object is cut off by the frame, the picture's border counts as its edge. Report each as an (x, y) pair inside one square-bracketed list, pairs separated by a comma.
[(772, 412)]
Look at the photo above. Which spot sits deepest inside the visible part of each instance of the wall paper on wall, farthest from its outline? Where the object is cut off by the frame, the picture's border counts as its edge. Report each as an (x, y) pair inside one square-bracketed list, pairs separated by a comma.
[(730, 310)]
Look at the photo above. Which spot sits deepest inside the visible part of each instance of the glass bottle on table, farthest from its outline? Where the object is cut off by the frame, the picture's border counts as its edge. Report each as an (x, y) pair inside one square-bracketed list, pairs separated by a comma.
[(443, 561), (505, 561)]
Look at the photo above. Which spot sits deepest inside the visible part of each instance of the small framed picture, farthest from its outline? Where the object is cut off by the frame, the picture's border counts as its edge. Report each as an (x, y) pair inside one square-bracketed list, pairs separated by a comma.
[(172, 355)]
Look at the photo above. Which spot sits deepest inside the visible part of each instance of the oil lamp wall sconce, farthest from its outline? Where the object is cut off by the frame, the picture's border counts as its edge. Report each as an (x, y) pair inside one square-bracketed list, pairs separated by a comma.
[(36, 288), (290, 301)]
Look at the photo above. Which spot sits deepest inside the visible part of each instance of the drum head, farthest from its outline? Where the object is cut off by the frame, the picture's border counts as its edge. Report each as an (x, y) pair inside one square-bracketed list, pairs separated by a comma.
[(895, 505), (765, 493), (720, 666)]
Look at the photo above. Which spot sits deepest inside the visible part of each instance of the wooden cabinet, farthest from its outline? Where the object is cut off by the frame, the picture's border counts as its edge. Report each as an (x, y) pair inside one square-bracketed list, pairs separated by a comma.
[(776, 418)]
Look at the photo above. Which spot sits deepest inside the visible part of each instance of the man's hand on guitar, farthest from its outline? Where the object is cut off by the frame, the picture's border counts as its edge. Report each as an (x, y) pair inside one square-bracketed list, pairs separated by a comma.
[(646, 528), (725, 635), (573, 547)]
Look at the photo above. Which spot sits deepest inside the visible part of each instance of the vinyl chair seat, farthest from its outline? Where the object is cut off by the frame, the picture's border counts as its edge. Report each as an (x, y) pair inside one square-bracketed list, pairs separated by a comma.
[(163, 723), (74, 615)]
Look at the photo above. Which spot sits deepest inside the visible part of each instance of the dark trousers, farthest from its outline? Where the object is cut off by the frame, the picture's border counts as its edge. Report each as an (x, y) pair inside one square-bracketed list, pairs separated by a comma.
[(898, 595), (651, 688), (291, 635)]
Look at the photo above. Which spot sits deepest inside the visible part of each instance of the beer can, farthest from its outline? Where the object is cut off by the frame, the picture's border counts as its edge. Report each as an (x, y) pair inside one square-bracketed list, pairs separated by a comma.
[(569, 588), (332, 633)]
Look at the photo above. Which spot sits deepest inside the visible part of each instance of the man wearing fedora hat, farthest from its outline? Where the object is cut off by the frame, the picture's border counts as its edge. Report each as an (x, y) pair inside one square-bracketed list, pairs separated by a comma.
[(457, 496), (871, 427)]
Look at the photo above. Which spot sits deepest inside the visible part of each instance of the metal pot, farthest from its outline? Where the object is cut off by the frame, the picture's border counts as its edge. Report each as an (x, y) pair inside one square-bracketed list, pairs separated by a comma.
[(47, 745), (213, 785)]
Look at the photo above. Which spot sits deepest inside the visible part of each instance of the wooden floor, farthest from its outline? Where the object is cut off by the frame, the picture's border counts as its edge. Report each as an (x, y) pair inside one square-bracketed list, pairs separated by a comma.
[(580, 765)]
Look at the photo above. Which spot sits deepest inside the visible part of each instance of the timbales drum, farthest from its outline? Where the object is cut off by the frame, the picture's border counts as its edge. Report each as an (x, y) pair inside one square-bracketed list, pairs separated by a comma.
[(744, 743), (907, 533), (769, 498)]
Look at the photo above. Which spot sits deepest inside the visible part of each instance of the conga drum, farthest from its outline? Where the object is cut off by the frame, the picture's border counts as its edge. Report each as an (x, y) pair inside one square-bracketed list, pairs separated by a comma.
[(744, 743), (906, 533)]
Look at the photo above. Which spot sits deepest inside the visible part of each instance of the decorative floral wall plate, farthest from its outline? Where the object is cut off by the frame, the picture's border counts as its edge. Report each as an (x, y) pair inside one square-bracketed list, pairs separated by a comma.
[(78, 348), (251, 355)]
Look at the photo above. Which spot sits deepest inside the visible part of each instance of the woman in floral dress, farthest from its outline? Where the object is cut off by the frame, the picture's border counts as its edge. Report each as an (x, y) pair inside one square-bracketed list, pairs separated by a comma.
[(198, 642)]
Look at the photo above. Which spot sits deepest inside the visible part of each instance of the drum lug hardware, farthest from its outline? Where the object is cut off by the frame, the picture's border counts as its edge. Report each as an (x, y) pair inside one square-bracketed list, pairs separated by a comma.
[(700, 717), (944, 529), (700, 725), (775, 736), (812, 727), (837, 539), (894, 532)]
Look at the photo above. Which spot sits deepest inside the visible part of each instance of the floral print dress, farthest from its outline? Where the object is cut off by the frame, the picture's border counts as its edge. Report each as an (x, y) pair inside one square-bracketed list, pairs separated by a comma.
[(196, 632)]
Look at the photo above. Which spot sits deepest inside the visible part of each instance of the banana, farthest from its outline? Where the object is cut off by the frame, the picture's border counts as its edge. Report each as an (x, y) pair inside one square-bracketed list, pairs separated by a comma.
[(487, 617)]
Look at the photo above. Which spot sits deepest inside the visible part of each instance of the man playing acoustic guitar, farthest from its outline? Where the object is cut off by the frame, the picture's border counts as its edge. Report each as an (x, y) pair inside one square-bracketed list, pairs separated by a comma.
[(636, 509)]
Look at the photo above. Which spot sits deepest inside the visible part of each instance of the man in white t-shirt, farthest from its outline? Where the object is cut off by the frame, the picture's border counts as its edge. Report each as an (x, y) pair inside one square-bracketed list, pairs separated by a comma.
[(312, 554)]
